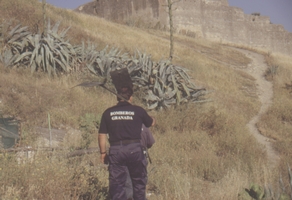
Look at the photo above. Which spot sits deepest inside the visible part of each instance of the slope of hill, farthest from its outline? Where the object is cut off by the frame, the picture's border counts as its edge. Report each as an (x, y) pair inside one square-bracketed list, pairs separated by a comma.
[(208, 19), (203, 151)]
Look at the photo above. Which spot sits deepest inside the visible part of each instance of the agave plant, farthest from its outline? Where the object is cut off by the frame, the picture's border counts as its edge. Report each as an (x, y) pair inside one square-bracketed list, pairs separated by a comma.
[(6, 57), (85, 54), (267, 193), (15, 38), (13, 42), (140, 69), (162, 83), (49, 52), (103, 62)]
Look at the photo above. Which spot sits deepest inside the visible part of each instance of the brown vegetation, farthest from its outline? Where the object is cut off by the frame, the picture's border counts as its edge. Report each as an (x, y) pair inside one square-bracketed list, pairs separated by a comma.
[(202, 151)]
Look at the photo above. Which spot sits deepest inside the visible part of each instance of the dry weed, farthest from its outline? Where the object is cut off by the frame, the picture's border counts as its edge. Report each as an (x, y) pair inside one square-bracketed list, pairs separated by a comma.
[(277, 122), (52, 176), (202, 151)]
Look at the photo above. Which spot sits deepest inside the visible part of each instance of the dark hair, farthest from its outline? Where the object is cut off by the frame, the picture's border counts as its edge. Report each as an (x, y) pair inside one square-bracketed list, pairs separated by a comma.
[(125, 92)]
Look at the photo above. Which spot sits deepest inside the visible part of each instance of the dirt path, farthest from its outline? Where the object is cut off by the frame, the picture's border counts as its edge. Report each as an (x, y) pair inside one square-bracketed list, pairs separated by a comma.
[(265, 93)]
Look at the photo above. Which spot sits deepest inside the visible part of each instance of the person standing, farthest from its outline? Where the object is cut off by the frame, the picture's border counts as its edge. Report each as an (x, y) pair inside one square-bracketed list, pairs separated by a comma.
[(123, 123)]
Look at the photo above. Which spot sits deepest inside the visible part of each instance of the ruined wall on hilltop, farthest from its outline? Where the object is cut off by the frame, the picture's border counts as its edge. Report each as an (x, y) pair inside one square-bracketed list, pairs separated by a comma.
[(216, 20), (127, 11), (209, 19)]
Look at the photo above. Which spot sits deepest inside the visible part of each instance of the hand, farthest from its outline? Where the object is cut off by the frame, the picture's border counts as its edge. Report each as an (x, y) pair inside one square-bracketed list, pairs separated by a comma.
[(103, 158), (106, 160), (153, 122)]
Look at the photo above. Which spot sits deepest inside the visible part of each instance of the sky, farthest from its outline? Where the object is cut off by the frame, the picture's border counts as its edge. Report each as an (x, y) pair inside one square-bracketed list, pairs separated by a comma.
[(279, 11)]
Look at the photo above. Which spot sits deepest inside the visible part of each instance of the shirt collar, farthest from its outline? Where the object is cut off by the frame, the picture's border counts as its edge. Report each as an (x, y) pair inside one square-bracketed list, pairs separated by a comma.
[(123, 103)]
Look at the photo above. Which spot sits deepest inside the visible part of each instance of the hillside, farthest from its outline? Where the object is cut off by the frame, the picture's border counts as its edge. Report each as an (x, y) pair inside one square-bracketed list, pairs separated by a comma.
[(202, 151), (208, 19)]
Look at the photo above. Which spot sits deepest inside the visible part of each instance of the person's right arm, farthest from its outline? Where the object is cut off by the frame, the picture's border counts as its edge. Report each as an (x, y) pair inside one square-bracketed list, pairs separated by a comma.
[(102, 137)]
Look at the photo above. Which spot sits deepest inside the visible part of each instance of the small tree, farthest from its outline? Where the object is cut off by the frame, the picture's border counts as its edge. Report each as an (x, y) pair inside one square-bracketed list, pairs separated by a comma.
[(45, 31), (171, 29)]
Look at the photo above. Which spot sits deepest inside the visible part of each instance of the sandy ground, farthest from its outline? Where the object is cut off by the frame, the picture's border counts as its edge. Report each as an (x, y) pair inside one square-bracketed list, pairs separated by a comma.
[(265, 94)]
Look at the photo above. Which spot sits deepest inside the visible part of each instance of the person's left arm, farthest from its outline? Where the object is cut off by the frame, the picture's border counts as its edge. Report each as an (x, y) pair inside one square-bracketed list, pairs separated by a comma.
[(147, 119), (149, 137)]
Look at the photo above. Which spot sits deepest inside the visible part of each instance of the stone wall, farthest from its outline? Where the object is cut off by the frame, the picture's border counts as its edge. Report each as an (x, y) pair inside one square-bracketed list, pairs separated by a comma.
[(209, 19)]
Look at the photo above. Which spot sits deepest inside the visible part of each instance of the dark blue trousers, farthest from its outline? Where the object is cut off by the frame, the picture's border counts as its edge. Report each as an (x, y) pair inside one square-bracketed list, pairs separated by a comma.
[(123, 158)]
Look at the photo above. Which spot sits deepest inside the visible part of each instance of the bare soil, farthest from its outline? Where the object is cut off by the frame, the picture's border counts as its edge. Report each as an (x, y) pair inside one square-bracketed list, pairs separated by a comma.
[(265, 94)]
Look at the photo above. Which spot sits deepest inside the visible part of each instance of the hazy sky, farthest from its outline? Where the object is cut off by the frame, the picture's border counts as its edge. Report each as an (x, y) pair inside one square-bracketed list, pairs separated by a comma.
[(279, 11)]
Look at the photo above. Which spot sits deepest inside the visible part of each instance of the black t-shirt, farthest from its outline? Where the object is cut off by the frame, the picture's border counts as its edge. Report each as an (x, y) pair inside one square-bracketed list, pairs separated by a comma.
[(124, 122)]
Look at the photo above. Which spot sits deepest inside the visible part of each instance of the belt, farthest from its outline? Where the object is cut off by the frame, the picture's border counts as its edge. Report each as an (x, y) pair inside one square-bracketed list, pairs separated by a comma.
[(124, 142)]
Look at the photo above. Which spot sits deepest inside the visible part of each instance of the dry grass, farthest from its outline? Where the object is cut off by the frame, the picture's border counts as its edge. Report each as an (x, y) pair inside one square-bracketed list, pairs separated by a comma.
[(277, 123), (52, 176), (202, 151)]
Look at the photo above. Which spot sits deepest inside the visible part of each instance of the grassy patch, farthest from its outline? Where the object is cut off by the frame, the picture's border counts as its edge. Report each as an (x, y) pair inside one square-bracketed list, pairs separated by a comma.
[(202, 151)]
